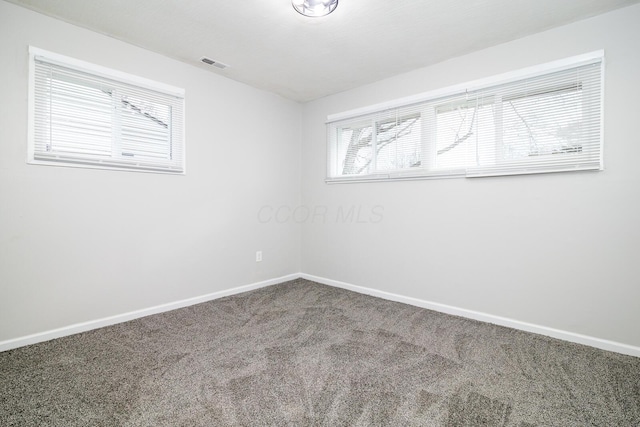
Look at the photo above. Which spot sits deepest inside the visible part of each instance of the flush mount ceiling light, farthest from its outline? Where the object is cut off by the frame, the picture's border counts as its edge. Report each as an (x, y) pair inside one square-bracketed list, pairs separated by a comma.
[(314, 8)]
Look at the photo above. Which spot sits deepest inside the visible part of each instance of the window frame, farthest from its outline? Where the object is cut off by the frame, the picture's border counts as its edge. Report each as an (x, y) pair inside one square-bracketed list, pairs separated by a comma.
[(118, 78), (436, 99)]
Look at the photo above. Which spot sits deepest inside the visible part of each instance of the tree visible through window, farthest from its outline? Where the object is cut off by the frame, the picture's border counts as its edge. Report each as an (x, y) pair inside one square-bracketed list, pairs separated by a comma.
[(550, 122), (383, 145)]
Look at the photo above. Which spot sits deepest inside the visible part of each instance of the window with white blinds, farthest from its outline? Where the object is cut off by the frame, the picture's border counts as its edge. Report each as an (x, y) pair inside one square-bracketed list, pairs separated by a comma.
[(90, 116), (542, 119)]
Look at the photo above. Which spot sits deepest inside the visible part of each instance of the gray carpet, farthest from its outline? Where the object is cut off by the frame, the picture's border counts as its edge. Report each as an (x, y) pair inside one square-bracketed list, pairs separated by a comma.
[(305, 354)]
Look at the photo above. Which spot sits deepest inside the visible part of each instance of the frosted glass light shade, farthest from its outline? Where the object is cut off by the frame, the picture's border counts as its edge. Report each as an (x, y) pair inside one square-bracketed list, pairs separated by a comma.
[(314, 8)]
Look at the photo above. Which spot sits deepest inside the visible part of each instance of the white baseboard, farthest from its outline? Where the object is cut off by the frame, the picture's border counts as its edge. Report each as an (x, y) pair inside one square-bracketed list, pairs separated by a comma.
[(484, 317), (112, 320), (443, 308)]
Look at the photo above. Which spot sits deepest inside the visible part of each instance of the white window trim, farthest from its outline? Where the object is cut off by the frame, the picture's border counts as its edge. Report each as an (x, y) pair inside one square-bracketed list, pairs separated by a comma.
[(100, 71), (504, 78)]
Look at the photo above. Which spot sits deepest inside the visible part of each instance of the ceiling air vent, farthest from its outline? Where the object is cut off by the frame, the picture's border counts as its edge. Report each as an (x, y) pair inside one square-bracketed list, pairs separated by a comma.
[(216, 64)]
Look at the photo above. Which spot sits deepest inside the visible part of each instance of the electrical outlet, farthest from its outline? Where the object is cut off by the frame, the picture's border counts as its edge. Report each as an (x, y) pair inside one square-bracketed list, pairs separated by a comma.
[(259, 256)]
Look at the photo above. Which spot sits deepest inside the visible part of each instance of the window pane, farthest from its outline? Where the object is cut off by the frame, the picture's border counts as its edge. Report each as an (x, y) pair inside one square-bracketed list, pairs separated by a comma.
[(399, 143), (542, 125), (354, 147), (464, 130), (145, 129), (80, 118), (455, 129)]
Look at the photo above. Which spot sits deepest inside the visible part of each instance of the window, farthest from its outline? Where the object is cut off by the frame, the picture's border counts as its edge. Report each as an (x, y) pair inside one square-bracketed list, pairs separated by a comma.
[(398, 144), (545, 119), (89, 116)]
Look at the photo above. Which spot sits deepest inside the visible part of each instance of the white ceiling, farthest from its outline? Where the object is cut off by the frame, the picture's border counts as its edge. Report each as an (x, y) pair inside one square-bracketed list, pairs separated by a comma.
[(270, 46)]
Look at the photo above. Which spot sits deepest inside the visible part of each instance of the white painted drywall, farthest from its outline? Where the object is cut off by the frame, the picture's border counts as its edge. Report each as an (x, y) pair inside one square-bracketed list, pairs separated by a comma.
[(558, 250), (78, 245)]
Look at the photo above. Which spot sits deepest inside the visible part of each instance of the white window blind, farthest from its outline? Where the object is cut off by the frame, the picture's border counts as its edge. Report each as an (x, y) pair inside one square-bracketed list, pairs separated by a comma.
[(544, 119), (85, 115)]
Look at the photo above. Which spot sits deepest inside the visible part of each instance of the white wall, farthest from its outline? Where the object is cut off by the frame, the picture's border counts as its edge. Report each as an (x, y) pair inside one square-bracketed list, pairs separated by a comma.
[(557, 250), (78, 245)]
